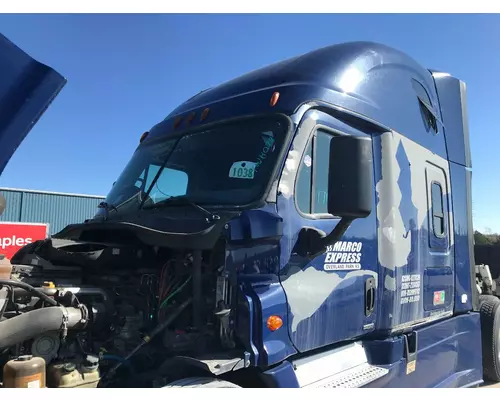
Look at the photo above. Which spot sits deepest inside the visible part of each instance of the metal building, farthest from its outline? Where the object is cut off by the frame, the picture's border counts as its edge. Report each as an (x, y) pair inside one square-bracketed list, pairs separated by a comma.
[(56, 209)]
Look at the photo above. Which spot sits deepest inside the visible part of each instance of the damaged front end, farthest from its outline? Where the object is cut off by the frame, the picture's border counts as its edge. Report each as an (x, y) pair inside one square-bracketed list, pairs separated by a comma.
[(132, 305), (160, 282), (164, 279)]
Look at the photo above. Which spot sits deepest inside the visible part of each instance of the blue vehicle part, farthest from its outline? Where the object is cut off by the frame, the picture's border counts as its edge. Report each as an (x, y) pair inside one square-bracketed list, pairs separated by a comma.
[(253, 255), (417, 122), (453, 101), (352, 79), (281, 376), (313, 294), (444, 354), (412, 256), (27, 88)]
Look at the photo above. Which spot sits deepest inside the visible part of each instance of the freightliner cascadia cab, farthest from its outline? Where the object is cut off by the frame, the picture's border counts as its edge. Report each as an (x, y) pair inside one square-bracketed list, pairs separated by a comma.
[(307, 224)]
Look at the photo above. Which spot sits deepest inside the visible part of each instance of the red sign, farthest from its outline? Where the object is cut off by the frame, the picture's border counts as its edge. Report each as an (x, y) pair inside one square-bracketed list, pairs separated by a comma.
[(14, 235)]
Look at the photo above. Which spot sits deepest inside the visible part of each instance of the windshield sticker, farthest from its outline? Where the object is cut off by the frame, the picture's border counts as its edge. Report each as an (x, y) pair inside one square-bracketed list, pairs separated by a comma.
[(242, 170), (269, 147), (268, 138)]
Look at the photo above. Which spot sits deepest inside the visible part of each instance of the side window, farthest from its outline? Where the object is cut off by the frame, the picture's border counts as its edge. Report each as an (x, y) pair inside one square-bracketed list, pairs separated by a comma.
[(304, 182), (437, 209), (430, 121), (321, 163), (311, 190)]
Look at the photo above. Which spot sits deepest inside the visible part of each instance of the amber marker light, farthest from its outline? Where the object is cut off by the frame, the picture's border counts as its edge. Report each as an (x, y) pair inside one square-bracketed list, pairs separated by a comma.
[(177, 122), (274, 99), (143, 137), (274, 323), (190, 118), (204, 114)]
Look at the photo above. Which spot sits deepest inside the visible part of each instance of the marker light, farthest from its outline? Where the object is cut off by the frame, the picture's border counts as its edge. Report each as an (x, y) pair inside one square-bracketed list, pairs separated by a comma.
[(177, 122), (143, 137), (274, 323), (190, 118), (204, 114), (274, 99)]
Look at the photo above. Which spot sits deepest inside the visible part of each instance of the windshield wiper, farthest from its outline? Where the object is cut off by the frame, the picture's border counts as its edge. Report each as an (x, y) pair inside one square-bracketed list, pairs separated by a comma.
[(184, 199), (107, 207)]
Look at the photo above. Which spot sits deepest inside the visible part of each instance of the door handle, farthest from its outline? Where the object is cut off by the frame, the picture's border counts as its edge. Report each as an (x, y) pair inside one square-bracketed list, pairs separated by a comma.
[(369, 296)]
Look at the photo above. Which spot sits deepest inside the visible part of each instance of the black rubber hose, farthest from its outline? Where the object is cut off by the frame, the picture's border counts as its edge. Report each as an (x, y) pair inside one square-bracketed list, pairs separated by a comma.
[(197, 290), (29, 289), (33, 323), (76, 290)]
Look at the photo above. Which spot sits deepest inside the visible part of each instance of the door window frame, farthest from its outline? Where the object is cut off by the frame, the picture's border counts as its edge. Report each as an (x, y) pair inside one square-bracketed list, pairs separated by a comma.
[(435, 213), (311, 142), (436, 175)]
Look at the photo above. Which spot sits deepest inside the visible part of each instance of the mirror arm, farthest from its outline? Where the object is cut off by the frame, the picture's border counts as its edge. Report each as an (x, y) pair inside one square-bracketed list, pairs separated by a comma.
[(321, 244)]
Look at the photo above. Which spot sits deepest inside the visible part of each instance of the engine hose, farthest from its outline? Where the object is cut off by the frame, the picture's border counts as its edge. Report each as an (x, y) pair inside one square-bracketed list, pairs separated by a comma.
[(126, 363), (33, 323), (30, 289), (171, 318)]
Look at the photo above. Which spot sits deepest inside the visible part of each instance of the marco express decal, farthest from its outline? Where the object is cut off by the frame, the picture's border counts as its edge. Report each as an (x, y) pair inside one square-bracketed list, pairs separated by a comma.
[(343, 256)]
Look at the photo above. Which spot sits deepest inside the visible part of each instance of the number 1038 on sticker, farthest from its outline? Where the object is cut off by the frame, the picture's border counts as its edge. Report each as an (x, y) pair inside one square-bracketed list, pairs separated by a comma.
[(242, 170)]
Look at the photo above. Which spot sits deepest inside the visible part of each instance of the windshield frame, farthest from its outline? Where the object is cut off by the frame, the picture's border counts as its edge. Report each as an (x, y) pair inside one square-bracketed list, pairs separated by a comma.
[(263, 197)]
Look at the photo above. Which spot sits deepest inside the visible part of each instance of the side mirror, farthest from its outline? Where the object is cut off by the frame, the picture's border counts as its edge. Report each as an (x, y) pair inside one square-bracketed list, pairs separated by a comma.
[(2, 204), (350, 191)]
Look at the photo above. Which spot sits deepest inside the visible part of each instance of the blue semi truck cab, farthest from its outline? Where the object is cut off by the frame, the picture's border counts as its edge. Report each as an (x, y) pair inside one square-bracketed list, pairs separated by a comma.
[(307, 224)]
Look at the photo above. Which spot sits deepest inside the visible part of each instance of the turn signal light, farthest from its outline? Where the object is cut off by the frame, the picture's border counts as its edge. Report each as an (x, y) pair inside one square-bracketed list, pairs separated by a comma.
[(274, 323)]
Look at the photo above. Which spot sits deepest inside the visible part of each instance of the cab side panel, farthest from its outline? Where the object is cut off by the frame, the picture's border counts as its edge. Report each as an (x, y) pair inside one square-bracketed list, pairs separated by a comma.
[(414, 243)]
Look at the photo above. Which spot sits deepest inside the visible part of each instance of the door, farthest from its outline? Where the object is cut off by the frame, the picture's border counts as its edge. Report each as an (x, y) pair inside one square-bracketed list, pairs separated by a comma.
[(331, 297), (439, 277), (27, 88)]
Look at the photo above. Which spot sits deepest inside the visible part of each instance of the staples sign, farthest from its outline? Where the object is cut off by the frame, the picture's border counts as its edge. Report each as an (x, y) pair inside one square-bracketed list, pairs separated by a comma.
[(15, 235)]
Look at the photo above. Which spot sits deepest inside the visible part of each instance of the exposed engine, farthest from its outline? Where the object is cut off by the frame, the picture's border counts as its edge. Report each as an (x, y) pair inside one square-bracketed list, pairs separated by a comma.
[(111, 315)]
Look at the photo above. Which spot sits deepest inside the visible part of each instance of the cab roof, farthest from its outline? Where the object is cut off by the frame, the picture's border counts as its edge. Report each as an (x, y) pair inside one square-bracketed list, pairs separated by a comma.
[(358, 69), (370, 80)]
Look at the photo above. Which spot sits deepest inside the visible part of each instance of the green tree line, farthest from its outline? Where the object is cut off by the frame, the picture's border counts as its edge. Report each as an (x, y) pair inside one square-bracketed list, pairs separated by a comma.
[(492, 239)]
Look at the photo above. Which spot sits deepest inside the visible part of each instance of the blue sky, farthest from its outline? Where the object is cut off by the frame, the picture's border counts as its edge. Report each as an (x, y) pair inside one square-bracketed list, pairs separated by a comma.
[(127, 72)]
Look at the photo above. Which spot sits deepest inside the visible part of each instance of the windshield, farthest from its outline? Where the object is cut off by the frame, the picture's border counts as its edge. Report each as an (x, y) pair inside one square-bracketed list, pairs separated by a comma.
[(230, 164)]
